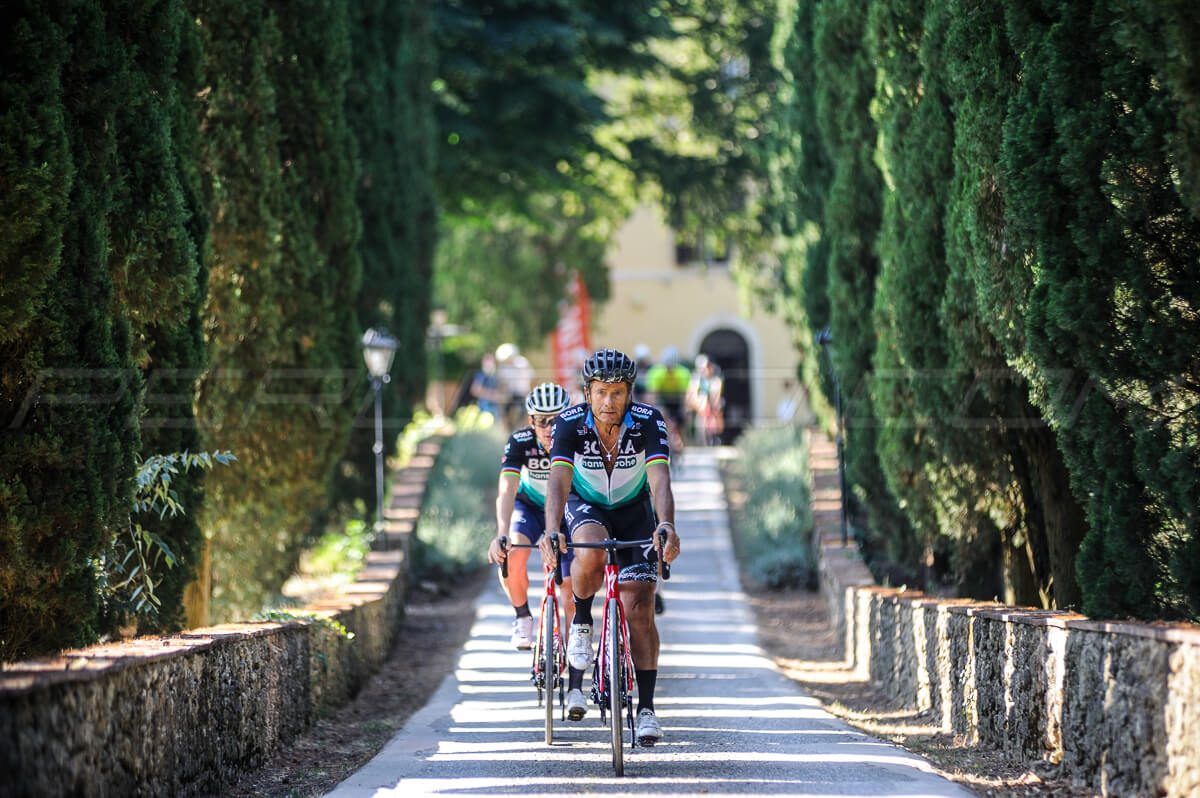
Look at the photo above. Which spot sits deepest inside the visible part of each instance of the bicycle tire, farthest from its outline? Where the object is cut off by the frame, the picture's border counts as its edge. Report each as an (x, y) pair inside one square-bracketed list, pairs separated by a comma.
[(549, 672), (614, 664)]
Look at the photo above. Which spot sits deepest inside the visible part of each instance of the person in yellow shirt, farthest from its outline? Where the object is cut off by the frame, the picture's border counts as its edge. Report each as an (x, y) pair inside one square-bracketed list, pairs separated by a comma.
[(666, 386)]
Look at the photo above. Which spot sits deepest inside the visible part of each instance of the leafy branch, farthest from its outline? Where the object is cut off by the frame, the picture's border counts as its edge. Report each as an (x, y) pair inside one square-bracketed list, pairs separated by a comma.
[(131, 567)]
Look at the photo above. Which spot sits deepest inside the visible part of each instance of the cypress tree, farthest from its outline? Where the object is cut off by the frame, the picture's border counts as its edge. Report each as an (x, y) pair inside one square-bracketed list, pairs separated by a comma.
[(389, 108), (69, 386), (960, 442), (911, 353), (162, 197), (984, 319), (797, 173), (279, 174), (1094, 196), (845, 79)]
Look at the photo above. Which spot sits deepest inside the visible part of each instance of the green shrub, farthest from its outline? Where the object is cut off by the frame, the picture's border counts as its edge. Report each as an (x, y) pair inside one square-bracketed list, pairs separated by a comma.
[(457, 518), (774, 525)]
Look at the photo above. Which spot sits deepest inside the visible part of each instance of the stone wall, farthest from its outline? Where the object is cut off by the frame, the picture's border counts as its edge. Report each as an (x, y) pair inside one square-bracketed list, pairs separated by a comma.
[(187, 714), (1114, 706)]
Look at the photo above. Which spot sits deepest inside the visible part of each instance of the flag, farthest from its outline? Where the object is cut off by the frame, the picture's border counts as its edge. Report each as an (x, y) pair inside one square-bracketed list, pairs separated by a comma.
[(570, 343)]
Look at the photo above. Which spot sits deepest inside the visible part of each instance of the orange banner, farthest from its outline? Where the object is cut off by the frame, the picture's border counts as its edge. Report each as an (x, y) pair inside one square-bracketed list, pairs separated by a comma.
[(570, 343)]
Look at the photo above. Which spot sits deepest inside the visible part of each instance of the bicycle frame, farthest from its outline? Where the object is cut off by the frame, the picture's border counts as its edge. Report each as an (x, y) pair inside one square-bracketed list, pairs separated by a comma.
[(550, 651), (614, 693)]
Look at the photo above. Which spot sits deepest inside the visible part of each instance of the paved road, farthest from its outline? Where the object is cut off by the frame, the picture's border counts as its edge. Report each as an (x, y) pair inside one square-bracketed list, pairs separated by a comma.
[(734, 725)]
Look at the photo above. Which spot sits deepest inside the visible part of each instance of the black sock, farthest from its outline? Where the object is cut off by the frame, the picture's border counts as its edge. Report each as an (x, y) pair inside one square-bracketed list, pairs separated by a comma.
[(523, 611), (574, 678), (645, 682), (583, 611)]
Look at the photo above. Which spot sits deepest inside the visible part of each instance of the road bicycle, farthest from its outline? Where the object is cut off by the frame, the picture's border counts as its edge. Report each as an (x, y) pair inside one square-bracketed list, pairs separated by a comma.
[(550, 652), (612, 683)]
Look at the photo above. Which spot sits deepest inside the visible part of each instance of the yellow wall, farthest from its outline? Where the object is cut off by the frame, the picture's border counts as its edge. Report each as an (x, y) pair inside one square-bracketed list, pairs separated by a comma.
[(658, 303)]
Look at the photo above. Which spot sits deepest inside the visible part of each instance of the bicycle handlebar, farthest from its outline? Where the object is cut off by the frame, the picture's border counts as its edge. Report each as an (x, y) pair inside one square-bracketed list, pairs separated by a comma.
[(608, 543), (613, 544), (505, 545)]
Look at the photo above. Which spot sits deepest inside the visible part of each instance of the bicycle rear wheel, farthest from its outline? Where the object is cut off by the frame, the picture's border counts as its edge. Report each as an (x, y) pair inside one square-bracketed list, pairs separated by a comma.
[(549, 665), (614, 664)]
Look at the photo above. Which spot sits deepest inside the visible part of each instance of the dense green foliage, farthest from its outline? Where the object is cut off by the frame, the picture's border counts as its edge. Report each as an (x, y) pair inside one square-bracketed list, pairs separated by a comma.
[(1014, 305), (101, 276), (992, 205), (184, 208), (280, 173), (458, 515), (389, 107)]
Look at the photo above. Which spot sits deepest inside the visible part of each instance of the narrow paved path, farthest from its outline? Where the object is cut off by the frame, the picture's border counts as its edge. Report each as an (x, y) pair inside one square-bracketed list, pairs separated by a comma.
[(734, 725)]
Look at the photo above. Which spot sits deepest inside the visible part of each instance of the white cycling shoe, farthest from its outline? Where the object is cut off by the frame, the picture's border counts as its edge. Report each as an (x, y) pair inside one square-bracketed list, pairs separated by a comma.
[(579, 646), (646, 728), (576, 704), (522, 632)]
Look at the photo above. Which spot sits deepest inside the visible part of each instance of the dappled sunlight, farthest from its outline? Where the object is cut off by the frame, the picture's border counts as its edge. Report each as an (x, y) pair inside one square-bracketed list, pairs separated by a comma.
[(733, 723)]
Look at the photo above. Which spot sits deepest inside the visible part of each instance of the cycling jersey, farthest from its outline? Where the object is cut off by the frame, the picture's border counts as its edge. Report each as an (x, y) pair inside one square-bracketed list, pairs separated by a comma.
[(525, 457), (667, 380), (642, 442)]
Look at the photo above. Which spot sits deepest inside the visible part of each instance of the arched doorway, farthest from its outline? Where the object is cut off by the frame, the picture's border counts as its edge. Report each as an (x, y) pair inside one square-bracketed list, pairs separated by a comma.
[(728, 349)]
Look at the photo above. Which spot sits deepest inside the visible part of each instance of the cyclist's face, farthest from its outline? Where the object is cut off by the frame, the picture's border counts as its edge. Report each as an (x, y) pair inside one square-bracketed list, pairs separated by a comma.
[(542, 425), (608, 400)]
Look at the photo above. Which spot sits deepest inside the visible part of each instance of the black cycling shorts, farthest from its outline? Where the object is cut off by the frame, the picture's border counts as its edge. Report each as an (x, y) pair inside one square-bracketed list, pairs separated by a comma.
[(633, 521)]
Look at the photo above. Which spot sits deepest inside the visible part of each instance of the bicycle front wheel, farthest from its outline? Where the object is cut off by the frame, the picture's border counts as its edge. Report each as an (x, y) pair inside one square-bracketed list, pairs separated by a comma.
[(614, 664), (549, 665)]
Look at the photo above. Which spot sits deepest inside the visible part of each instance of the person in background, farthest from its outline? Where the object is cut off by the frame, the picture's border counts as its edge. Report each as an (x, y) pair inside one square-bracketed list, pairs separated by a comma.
[(521, 502), (516, 378), (641, 356), (485, 387), (705, 400), (666, 386)]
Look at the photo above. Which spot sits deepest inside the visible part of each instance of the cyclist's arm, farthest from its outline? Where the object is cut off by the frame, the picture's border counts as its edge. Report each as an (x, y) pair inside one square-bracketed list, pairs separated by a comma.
[(658, 475), (506, 494), (557, 489)]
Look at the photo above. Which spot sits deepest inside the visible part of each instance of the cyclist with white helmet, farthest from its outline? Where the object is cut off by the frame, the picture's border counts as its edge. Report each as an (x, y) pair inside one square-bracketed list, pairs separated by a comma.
[(520, 503), (610, 473)]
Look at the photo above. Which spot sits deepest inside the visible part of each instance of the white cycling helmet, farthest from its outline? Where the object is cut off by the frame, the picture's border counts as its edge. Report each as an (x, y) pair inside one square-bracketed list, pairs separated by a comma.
[(547, 399)]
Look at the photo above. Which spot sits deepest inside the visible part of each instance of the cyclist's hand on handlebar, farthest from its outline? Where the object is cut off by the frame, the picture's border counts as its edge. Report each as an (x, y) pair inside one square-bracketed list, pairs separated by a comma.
[(546, 548), (669, 550), (497, 553)]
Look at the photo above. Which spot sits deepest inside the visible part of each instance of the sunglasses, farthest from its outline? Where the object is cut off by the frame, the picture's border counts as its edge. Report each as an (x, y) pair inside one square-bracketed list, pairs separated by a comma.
[(543, 421)]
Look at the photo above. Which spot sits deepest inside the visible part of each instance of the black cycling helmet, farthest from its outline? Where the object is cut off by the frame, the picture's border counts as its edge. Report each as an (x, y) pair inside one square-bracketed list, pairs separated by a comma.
[(609, 365)]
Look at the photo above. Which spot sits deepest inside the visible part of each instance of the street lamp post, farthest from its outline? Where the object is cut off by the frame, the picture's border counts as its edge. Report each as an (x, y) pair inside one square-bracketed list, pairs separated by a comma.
[(825, 338), (379, 349)]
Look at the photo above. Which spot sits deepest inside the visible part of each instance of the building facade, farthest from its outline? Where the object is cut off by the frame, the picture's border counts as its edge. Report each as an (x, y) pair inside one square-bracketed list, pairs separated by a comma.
[(661, 297)]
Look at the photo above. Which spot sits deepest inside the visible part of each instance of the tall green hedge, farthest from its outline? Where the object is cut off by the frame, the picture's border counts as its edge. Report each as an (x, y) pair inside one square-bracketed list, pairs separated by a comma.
[(389, 108), (279, 172), (100, 270), (1110, 321), (1024, 277), (845, 87)]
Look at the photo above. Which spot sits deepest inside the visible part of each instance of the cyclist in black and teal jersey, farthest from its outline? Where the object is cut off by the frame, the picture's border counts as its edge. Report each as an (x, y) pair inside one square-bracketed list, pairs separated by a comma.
[(520, 503), (610, 478)]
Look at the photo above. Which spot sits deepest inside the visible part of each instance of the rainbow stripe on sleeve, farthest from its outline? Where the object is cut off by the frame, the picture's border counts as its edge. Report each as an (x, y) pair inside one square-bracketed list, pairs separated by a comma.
[(560, 460), (510, 470), (658, 458)]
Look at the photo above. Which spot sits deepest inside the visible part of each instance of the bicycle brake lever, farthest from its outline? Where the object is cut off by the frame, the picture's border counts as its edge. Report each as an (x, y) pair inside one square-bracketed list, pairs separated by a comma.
[(662, 544), (558, 577)]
